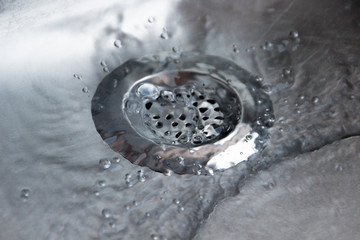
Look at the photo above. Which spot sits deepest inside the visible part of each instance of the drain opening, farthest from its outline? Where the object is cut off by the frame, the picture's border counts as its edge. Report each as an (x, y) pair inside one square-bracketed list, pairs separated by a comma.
[(196, 117)]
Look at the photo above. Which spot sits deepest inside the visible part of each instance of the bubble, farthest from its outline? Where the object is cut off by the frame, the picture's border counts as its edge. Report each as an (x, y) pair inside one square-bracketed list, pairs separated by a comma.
[(118, 43), (104, 163), (106, 213), (25, 194), (148, 90)]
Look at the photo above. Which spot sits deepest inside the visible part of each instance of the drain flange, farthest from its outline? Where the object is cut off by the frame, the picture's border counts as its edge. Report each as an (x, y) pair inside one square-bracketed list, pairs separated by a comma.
[(186, 113)]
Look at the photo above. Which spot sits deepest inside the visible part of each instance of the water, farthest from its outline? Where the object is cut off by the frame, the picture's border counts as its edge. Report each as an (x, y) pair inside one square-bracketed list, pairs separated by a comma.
[(49, 144)]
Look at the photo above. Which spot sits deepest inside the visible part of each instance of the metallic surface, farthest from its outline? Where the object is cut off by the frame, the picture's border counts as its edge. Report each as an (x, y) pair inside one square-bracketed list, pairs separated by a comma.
[(132, 116), (52, 56)]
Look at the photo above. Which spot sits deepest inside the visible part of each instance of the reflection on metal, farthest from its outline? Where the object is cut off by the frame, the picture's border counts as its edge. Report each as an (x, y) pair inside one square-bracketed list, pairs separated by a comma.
[(183, 112)]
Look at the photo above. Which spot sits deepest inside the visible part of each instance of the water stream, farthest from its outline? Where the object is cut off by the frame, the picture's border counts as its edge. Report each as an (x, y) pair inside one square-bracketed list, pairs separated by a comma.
[(60, 180)]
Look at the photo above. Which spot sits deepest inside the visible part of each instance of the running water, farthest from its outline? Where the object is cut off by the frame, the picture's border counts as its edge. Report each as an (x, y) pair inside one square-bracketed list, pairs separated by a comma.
[(59, 180)]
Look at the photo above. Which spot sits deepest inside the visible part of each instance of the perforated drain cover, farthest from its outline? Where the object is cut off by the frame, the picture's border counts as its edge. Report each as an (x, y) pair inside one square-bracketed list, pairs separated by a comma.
[(185, 113)]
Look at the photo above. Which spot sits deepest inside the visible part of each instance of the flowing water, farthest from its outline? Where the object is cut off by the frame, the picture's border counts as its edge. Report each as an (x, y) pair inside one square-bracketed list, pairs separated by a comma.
[(60, 180)]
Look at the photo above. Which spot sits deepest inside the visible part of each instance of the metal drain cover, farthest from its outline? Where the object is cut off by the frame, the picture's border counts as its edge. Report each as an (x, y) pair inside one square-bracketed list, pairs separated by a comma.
[(186, 113)]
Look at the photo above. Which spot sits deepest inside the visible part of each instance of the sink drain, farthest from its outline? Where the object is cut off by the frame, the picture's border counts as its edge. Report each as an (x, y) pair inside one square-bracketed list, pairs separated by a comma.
[(185, 113), (180, 108)]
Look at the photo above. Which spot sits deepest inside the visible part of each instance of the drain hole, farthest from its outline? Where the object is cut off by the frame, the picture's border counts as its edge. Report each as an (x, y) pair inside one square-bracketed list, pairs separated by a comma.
[(217, 109), (197, 140), (156, 117), (206, 118), (169, 116), (188, 125), (211, 101), (174, 124), (178, 134), (201, 97), (202, 110), (159, 125), (200, 127), (195, 104), (182, 117), (148, 105), (219, 118)]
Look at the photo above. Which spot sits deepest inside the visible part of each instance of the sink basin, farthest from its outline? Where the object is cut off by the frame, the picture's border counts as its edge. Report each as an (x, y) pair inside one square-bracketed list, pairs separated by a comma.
[(60, 180)]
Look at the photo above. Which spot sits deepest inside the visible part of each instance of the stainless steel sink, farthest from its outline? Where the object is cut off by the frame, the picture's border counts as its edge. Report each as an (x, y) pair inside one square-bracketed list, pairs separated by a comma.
[(60, 180)]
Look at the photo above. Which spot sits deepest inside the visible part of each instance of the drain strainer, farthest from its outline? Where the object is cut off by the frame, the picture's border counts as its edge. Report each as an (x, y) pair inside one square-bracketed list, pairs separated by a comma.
[(184, 113)]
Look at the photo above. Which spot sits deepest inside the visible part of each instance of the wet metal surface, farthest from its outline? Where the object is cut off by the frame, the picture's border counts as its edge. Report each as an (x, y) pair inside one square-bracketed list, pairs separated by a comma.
[(59, 180)]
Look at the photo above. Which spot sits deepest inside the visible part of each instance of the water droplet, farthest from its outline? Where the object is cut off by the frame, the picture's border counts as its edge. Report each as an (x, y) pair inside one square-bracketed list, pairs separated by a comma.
[(85, 89), (106, 69), (101, 183), (104, 163), (164, 35), (141, 176), (181, 208), (115, 160), (293, 34), (148, 90), (315, 100), (128, 177), (25, 194), (250, 49), (77, 76), (338, 167), (106, 213), (151, 19), (176, 201), (235, 48), (115, 84), (210, 171), (96, 193), (132, 106), (267, 89), (268, 46), (103, 64), (118, 43), (168, 172), (154, 237), (176, 49)]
